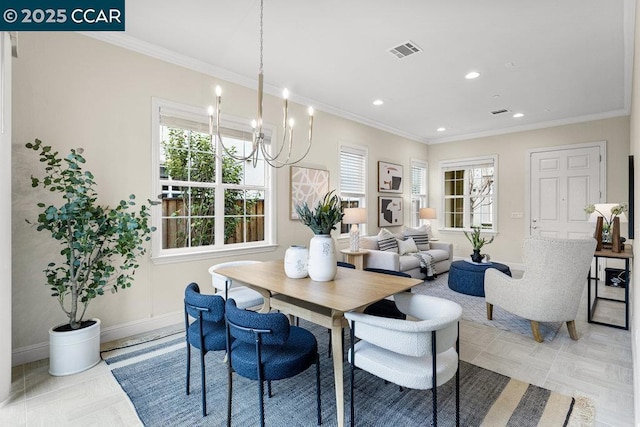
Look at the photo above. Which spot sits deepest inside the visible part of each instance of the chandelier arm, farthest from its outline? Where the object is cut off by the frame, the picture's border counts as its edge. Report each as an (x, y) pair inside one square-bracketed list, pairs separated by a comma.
[(235, 156), (273, 161)]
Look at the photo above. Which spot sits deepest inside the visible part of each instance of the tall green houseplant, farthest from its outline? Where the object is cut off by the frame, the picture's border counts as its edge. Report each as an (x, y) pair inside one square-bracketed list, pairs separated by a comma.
[(100, 246)]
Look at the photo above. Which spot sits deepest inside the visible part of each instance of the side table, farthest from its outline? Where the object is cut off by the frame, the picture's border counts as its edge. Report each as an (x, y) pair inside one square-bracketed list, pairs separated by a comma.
[(355, 257), (626, 255)]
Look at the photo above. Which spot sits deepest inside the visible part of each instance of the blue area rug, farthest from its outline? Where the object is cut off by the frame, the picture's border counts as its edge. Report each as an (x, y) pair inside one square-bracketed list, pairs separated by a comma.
[(153, 376)]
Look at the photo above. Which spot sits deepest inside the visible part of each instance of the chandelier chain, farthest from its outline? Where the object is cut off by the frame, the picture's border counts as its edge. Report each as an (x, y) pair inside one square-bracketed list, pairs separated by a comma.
[(261, 32)]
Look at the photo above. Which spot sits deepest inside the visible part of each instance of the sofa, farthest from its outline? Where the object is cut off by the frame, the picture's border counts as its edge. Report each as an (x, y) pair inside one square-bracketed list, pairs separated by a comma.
[(441, 252)]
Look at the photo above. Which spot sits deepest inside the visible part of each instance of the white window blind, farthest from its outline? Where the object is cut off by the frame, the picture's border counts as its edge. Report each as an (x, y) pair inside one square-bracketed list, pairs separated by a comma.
[(352, 170)]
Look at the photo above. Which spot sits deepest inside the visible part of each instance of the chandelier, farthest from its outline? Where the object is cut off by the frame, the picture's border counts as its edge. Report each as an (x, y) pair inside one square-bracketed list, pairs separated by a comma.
[(258, 147)]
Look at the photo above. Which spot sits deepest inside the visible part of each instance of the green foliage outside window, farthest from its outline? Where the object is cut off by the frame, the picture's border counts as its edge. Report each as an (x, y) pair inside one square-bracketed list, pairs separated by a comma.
[(189, 157)]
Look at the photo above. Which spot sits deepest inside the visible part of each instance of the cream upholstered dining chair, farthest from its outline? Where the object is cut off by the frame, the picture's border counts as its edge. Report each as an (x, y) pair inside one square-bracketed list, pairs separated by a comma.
[(555, 275), (420, 354), (226, 288)]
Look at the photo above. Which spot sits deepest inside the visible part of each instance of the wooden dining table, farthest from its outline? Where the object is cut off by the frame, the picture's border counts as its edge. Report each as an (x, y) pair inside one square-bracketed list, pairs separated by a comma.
[(322, 303)]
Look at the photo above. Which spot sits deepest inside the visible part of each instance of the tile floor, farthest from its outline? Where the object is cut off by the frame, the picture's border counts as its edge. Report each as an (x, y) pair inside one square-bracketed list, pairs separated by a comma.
[(598, 366)]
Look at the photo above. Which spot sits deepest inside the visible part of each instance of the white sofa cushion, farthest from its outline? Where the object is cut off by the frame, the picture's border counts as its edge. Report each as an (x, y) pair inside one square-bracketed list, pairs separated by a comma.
[(419, 235), (387, 241), (407, 246)]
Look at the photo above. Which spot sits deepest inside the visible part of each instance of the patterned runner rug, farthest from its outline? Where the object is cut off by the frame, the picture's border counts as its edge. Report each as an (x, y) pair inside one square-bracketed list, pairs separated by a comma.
[(153, 376), (474, 309)]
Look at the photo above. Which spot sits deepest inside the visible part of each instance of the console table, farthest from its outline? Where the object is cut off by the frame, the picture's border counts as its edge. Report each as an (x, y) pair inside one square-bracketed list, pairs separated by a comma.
[(626, 255)]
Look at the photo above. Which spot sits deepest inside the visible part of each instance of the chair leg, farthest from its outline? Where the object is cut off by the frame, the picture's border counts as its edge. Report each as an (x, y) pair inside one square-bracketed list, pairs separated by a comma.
[(204, 384), (489, 311), (188, 365), (434, 380), (318, 401), (458, 379), (329, 346), (535, 329), (573, 333), (352, 374), (229, 393), (269, 394), (261, 401)]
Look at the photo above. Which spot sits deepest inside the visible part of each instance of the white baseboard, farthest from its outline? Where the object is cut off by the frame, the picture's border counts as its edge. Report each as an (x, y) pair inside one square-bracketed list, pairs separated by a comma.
[(40, 351)]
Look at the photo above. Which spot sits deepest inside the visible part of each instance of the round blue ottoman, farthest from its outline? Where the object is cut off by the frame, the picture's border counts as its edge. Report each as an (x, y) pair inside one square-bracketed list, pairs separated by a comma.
[(468, 278)]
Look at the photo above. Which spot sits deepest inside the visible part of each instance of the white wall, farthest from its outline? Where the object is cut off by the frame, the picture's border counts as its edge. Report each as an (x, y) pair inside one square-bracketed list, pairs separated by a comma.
[(511, 150), (5, 217), (75, 91)]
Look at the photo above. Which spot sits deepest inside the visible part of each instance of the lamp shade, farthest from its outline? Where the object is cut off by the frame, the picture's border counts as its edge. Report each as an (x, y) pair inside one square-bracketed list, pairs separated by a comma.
[(354, 216), (427, 213), (604, 210)]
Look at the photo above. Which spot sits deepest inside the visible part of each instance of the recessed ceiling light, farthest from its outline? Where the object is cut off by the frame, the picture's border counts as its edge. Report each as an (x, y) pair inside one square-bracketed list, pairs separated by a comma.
[(518, 115), (441, 129), (378, 102), (472, 75)]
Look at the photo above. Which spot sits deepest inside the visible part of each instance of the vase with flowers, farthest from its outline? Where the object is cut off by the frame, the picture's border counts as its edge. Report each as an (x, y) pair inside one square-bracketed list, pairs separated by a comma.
[(321, 220), (608, 212)]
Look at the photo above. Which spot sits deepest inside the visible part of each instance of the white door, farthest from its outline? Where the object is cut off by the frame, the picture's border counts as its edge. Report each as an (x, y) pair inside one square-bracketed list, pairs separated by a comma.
[(563, 182)]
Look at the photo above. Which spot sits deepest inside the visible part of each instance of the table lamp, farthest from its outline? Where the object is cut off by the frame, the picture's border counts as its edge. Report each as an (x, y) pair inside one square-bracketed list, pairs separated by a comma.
[(428, 213), (354, 216)]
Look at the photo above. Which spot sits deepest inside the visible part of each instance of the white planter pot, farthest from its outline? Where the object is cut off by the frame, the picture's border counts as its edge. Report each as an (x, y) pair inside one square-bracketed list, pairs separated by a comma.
[(295, 262), (322, 258), (71, 352)]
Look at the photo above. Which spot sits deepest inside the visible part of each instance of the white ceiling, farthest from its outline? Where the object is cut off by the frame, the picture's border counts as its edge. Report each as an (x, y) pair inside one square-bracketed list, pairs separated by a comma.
[(555, 61)]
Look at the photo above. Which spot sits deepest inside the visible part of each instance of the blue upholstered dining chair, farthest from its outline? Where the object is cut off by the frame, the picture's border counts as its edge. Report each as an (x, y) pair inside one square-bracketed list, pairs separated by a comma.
[(420, 354), (207, 332), (266, 348)]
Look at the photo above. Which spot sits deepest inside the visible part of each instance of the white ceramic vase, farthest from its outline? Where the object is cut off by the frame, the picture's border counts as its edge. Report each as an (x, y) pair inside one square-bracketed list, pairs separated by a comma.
[(322, 258), (295, 262), (75, 351)]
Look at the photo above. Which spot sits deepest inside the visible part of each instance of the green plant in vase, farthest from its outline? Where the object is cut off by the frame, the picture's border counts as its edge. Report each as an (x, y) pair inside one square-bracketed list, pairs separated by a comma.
[(327, 213), (321, 220), (477, 241), (99, 250)]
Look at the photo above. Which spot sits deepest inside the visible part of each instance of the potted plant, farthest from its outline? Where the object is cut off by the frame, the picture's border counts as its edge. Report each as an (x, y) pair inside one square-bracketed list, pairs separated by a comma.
[(328, 212), (477, 242), (100, 247)]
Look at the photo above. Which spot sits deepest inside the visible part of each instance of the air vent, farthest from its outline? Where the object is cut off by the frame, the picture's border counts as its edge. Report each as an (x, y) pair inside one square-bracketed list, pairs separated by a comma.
[(496, 112), (405, 49)]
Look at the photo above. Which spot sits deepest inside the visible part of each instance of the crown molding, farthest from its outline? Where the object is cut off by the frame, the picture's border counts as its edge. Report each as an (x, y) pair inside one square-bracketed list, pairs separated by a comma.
[(533, 126), (166, 55)]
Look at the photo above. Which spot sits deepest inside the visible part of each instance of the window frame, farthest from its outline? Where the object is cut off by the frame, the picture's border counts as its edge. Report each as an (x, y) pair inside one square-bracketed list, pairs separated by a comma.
[(465, 164), (364, 152), (160, 255), (421, 200)]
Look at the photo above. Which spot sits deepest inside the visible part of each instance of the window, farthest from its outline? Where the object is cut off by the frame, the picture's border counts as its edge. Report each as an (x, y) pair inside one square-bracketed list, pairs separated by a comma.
[(353, 179), (210, 202), (419, 197), (470, 195)]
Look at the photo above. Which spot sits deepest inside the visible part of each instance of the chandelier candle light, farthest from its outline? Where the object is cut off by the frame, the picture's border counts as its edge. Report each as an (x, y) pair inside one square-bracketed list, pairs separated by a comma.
[(354, 216), (258, 148)]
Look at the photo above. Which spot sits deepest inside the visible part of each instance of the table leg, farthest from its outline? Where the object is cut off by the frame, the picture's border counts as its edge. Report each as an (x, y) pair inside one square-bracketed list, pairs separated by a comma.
[(336, 345)]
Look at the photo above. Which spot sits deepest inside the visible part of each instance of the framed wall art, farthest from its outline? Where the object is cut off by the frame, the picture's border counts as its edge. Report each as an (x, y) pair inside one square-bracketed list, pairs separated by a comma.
[(307, 185), (389, 177), (390, 212)]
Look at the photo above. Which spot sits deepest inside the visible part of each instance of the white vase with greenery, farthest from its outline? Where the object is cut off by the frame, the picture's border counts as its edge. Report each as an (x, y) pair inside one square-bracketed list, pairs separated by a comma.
[(328, 212)]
